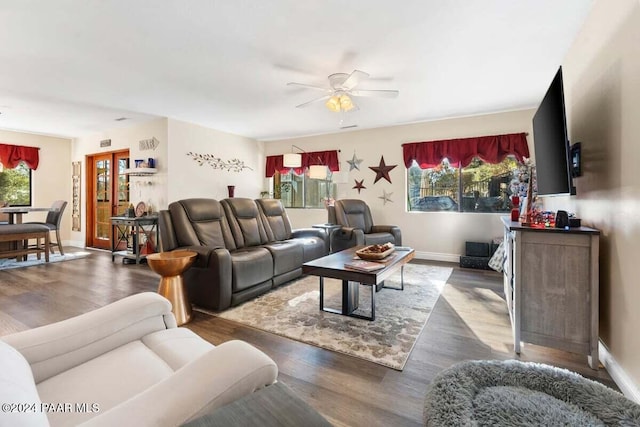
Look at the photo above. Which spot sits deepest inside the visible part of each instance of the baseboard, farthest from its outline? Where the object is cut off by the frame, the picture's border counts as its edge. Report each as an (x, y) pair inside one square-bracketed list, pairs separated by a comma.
[(74, 243), (626, 384), (435, 256)]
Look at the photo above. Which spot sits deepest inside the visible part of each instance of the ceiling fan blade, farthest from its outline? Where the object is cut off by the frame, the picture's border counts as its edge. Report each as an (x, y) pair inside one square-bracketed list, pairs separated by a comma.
[(354, 78), (376, 93), (313, 101), (324, 89)]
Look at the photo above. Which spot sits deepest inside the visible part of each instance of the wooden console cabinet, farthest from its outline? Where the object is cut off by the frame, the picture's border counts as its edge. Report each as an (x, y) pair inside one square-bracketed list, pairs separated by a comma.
[(551, 287)]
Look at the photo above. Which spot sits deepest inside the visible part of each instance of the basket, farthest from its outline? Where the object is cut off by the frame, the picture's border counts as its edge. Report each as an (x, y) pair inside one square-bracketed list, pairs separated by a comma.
[(363, 254)]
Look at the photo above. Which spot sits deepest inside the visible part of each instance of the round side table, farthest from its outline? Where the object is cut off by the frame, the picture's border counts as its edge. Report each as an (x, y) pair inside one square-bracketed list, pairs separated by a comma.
[(171, 265)]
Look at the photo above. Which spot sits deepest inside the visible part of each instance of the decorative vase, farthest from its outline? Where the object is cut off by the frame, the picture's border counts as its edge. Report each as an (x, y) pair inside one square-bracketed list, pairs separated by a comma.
[(515, 208), (231, 189)]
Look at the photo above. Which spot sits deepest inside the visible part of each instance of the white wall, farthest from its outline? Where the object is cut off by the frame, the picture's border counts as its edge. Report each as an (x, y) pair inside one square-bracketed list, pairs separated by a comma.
[(151, 190), (434, 235), (52, 180), (187, 179)]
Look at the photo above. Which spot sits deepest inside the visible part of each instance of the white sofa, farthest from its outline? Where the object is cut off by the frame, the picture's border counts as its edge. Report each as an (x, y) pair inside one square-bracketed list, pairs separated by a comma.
[(123, 364)]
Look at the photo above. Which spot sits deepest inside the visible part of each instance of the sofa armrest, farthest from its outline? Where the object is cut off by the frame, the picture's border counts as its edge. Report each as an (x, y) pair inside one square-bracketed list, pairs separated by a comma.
[(218, 377), (205, 253), (391, 229), (309, 232), (346, 237), (349, 233), (60, 346)]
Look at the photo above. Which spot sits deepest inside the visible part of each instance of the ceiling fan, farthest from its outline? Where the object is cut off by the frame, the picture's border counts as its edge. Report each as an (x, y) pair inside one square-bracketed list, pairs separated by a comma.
[(341, 91)]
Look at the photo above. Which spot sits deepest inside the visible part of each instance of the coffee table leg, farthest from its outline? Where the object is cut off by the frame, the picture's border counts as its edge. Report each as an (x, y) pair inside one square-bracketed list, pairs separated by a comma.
[(321, 293), (373, 303), (350, 296), (401, 288)]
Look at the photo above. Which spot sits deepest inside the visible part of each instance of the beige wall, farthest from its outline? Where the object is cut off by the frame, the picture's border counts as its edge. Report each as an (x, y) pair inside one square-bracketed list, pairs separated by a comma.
[(187, 179), (434, 235), (151, 190), (52, 180), (602, 90)]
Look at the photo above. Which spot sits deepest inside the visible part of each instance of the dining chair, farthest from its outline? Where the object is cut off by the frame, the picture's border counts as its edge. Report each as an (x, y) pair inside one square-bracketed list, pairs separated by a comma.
[(53, 222)]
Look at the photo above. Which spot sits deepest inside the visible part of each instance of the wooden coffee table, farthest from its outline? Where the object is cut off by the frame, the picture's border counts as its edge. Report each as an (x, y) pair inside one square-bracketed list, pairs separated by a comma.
[(332, 266)]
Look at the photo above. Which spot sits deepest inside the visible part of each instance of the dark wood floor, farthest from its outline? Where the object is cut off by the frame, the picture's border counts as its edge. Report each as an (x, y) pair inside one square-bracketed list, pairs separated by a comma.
[(469, 321)]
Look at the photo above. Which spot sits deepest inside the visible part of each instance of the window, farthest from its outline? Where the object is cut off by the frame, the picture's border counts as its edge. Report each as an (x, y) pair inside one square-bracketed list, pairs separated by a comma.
[(300, 191), (15, 185), (478, 187)]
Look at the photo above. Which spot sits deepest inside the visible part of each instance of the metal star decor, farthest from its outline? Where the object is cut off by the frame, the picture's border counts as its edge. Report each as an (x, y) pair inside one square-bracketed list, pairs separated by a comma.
[(382, 171), (359, 185), (354, 163), (386, 197)]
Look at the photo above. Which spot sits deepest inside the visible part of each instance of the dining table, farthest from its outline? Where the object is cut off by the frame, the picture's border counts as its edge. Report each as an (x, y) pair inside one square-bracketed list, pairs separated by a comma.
[(15, 212)]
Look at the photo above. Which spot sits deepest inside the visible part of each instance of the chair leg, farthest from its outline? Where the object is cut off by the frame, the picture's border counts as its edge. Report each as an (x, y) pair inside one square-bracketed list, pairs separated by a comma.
[(25, 245), (59, 242), (47, 244), (38, 253)]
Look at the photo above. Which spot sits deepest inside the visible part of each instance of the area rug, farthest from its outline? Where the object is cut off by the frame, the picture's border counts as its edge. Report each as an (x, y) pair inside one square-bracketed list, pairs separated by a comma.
[(7, 263), (514, 393), (292, 311)]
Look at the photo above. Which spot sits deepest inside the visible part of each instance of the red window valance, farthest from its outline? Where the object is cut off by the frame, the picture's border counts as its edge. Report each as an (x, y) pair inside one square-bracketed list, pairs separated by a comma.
[(11, 155), (491, 149), (326, 158)]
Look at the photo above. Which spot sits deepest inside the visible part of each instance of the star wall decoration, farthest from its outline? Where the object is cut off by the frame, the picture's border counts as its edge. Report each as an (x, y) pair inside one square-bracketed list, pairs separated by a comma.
[(354, 163), (382, 171), (386, 197), (359, 185)]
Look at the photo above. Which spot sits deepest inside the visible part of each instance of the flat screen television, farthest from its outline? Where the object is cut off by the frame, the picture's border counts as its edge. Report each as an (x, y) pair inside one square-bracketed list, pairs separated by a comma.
[(551, 143)]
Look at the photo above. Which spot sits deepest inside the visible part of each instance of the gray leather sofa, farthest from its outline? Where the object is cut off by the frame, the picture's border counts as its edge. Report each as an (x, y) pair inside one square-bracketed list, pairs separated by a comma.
[(357, 226), (245, 247)]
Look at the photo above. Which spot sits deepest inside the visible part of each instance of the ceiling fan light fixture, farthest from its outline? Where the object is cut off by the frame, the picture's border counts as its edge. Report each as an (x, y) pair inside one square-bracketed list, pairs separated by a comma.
[(345, 103), (333, 104)]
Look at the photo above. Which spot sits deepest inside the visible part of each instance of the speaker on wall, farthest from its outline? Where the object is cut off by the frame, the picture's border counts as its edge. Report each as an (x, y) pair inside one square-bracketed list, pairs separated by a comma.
[(576, 160)]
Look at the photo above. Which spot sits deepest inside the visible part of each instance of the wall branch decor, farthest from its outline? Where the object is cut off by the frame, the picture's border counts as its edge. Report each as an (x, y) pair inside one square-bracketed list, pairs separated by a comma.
[(233, 165)]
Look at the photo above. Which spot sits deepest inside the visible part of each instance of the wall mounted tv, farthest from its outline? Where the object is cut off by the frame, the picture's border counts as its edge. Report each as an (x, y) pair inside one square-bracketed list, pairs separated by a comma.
[(551, 143)]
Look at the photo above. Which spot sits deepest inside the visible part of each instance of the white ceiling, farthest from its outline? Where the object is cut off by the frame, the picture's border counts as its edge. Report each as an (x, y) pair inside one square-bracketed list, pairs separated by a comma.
[(71, 67)]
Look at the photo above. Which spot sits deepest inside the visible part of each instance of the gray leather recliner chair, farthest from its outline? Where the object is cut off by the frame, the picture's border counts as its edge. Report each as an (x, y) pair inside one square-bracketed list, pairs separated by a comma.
[(357, 227)]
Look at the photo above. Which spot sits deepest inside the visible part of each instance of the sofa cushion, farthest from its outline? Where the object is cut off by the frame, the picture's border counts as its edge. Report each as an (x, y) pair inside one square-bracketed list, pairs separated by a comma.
[(312, 247), (353, 213), (107, 380), (277, 224), (245, 222), (201, 222), (250, 266), (18, 387), (287, 256)]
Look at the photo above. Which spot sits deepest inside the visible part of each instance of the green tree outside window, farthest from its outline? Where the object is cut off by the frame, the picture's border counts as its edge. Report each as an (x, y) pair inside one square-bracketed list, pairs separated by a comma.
[(15, 185)]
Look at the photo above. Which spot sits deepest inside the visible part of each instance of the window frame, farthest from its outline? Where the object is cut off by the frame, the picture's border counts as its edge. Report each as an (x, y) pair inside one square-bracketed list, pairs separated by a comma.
[(305, 188), (460, 188)]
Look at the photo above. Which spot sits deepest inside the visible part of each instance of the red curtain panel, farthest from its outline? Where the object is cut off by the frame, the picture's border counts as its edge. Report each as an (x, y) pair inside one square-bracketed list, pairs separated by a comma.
[(491, 149), (11, 155), (326, 158)]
